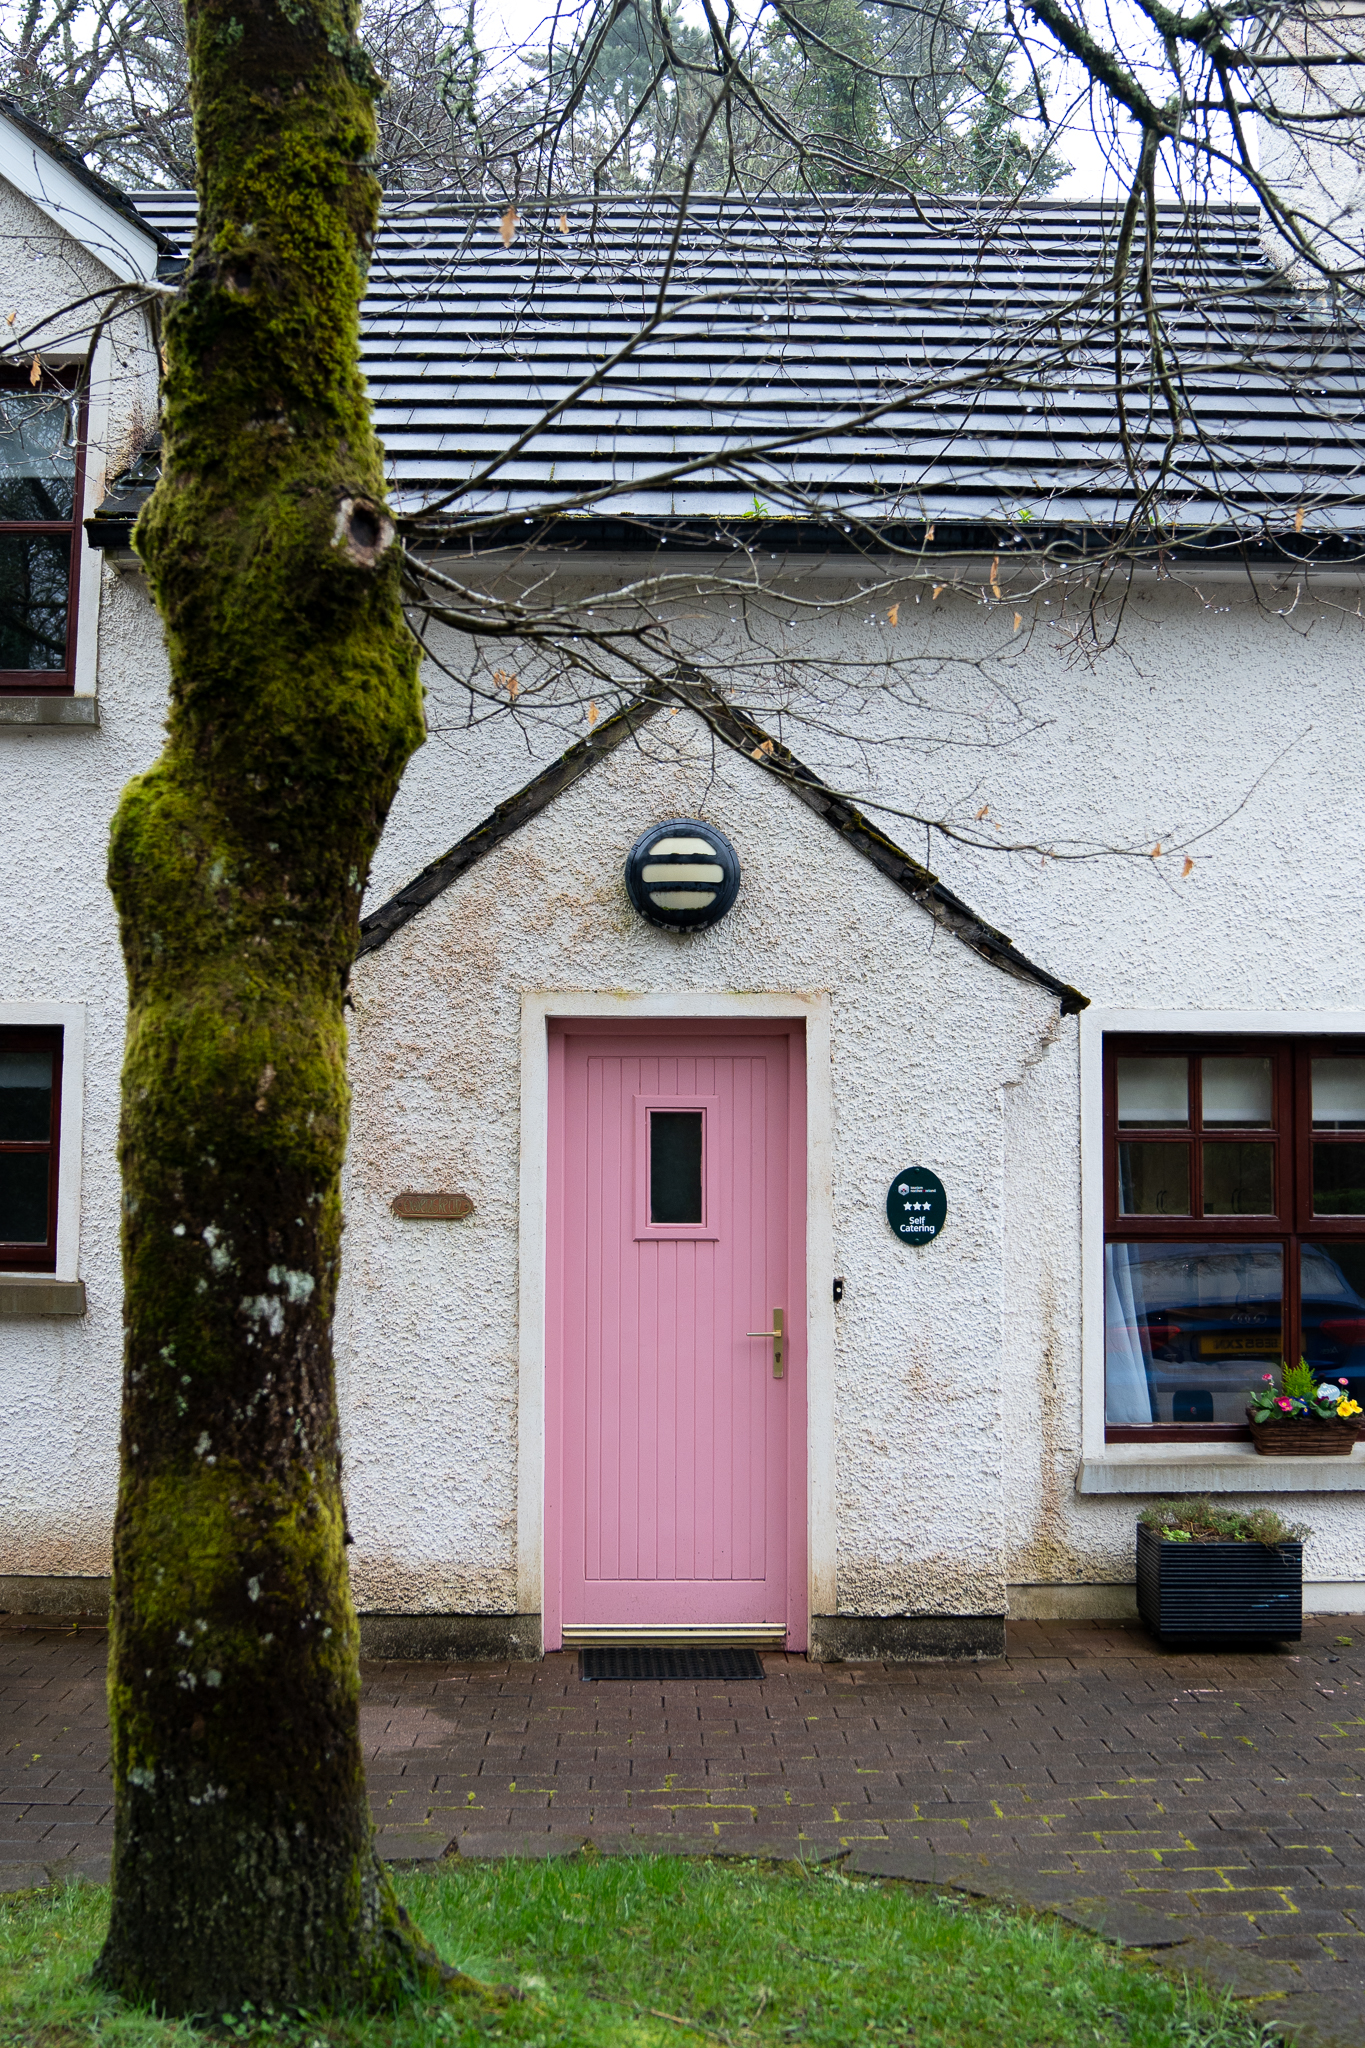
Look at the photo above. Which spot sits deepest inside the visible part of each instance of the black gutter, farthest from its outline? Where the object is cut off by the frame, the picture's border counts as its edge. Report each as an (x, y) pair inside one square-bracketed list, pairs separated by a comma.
[(111, 526)]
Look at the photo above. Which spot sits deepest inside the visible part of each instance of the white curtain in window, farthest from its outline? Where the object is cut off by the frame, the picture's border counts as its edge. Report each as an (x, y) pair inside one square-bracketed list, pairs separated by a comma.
[(1127, 1390)]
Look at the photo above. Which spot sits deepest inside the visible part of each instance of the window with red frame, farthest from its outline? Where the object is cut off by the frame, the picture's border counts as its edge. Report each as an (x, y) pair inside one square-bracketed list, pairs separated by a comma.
[(1234, 1223), (40, 497), (30, 1124)]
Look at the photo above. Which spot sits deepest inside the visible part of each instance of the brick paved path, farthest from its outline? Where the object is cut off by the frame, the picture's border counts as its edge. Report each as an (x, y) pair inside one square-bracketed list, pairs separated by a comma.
[(1212, 1801)]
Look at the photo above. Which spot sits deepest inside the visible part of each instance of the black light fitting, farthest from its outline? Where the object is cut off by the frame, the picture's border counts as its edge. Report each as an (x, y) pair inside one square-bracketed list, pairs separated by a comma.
[(682, 875)]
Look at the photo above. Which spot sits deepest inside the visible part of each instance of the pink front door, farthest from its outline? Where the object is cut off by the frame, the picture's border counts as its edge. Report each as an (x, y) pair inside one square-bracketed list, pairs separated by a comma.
[(675, 1457)]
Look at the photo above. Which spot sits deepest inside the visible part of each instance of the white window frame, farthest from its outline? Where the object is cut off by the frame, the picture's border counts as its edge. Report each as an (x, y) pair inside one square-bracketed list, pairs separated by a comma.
[(1166, 1467), (71, 1018)]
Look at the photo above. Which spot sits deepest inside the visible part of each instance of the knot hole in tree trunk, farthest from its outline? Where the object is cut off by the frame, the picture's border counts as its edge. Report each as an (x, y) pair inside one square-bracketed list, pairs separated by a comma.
[(363, 531)]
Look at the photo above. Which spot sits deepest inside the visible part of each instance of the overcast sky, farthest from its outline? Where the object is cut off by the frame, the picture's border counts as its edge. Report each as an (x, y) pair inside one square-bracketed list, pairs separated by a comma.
[(505, 25)]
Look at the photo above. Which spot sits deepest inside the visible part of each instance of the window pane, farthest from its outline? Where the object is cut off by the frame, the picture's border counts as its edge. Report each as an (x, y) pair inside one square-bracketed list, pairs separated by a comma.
[(1237, 1091), (675, 1166), (35, 580), (1153, 1092), (26, 1095), (37, 456), (1154, 1179), (1188, 1328), (1333, 1282), (1339, 1180), (1239, 1180), (1339, 1095), (23, 1197)]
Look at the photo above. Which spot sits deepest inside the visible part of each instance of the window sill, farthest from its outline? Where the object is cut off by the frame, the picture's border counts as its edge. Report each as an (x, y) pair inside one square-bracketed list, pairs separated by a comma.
[(38, 1295), (1215, 1468), (80, 713)]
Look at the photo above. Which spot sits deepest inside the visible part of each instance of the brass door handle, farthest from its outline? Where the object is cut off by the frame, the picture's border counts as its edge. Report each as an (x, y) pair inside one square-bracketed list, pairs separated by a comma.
[(775, 1334)]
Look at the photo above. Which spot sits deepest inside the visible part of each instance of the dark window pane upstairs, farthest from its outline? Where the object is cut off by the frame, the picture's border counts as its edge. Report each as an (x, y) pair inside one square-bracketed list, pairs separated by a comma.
[(37, 456), (26, 1097), (675, 1166), (23, 1197), (35, 584)]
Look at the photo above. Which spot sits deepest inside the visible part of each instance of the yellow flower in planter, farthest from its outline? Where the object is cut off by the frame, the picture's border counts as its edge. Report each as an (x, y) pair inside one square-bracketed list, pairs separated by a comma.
[(1348, 1408)]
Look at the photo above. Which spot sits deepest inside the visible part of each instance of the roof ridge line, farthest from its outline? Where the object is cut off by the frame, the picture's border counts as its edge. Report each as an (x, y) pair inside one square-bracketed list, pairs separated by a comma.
[(744, 736)]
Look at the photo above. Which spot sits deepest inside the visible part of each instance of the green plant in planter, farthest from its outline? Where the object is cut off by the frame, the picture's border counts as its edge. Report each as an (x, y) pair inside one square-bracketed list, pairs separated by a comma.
[(1203, 1521), (1301, 1397)]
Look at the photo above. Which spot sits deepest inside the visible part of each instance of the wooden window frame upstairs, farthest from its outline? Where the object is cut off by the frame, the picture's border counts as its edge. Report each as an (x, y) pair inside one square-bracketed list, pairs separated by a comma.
[(32, 1257), (43, 682), (1292, 1222)]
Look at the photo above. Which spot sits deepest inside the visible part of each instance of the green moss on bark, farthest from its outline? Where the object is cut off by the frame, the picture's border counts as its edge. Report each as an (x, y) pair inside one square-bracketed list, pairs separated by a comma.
[(244, 1865)]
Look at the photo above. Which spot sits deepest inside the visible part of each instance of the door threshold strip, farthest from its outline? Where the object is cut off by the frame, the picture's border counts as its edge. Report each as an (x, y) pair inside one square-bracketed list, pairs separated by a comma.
[(765, 1634)]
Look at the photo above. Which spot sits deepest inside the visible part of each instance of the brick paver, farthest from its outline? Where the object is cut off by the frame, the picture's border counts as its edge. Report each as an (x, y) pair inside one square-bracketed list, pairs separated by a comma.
[(1218, 1795)]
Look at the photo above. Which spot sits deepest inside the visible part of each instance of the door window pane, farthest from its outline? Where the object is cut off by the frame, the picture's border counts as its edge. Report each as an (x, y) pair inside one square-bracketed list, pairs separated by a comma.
[(1332, 1278), (1339, 1095), (1154, 1179), (1339, 1180), (675, 1166), (1153, 1092), (26, 1096), (1239, 1180), (1188, 1328), (1237, 1091), (37, 456), (23, 1197), (35, 578)]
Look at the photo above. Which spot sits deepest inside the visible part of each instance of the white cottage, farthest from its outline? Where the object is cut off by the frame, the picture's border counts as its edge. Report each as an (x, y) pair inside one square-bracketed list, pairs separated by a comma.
[(745, 1239)]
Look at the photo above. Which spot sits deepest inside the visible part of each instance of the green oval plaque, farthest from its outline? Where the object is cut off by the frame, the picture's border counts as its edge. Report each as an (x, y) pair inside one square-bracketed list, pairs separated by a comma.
[(916, 1205)]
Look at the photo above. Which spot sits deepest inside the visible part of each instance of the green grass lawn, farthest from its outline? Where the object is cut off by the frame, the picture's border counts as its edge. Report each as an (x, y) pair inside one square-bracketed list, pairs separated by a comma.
[(657, 1952)]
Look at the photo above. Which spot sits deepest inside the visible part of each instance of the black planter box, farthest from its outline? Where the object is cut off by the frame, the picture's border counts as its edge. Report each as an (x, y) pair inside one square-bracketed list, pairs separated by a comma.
[(1189, 1590)]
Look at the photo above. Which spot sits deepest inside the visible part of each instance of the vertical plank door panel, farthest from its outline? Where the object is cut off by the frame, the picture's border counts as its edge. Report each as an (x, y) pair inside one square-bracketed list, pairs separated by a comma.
[(671, 1484)]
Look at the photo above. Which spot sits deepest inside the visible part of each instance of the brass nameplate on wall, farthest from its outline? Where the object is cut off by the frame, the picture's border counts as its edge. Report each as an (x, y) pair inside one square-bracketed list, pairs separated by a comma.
[(446, 1206)]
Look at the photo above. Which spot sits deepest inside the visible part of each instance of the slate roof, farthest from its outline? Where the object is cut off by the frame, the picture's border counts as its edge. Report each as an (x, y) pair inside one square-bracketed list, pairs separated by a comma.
[(789, 317), (737, 730)]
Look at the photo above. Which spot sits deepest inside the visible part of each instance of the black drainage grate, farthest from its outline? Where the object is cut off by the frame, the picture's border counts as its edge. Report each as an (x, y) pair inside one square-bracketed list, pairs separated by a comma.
[(686, 1660)]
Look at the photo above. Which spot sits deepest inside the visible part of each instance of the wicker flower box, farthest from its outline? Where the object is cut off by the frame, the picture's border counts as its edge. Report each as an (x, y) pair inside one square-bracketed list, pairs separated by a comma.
[(1304, 1439)]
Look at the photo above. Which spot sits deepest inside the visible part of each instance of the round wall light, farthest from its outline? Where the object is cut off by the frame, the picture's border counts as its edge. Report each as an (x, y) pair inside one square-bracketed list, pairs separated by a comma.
[(682, 875)]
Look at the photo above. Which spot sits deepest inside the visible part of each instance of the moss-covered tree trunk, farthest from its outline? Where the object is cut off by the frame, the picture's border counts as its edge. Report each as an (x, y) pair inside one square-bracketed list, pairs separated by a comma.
[(244, 1866)]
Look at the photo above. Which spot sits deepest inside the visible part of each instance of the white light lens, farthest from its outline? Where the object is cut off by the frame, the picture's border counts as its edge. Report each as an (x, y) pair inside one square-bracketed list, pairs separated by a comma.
[(681, 899)]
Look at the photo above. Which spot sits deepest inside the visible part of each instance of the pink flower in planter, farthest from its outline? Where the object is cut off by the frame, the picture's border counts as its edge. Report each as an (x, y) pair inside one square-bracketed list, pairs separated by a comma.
[(1286, 1404)]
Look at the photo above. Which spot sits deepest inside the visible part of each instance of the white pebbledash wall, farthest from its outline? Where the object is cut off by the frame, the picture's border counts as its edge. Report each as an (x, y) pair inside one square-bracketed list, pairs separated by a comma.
[(957, 1368)]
